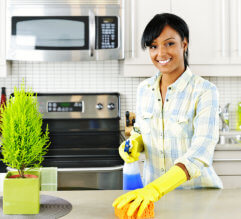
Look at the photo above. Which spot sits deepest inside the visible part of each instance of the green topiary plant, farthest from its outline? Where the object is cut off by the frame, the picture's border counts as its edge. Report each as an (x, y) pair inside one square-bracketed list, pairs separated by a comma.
[(23, 142)]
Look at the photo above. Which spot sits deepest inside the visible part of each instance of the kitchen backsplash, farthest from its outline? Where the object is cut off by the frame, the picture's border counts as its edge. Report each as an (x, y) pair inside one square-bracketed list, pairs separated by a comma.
[(101, 76)]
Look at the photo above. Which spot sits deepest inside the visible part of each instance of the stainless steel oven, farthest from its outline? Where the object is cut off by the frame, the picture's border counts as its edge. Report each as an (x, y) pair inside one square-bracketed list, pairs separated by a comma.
[(85, 136), (65, 30)]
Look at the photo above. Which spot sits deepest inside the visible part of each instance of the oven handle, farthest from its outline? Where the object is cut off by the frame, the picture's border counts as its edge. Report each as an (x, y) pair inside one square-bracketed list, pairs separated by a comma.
[(91, 32), (92, 169)]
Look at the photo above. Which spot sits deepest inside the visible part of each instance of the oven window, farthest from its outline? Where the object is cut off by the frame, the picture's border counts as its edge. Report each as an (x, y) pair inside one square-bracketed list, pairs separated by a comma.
[(53, 33)]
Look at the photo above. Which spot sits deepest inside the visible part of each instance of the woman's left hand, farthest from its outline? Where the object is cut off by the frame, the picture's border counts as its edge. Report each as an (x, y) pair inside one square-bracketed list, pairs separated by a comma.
[(138, 197)]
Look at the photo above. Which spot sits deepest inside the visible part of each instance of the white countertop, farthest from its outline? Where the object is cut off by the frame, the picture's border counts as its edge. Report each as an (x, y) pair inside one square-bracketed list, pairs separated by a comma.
[(181, 204)]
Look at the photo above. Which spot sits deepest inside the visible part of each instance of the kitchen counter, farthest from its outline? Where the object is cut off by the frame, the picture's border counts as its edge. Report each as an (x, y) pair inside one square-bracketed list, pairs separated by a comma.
[(181, 204)]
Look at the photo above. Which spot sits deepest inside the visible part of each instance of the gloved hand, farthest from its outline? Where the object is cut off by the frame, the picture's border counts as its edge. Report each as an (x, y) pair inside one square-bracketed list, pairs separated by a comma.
[(152, 192), (137, 147)]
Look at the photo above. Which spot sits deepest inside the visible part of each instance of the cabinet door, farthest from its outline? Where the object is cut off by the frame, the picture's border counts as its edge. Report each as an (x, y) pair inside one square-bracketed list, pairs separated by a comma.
[(3, 63), (208, 23), (235, 31), (142, 12)]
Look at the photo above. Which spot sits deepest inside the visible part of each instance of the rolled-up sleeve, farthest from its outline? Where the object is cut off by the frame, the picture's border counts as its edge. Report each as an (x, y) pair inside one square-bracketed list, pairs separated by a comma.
[(206, 133)]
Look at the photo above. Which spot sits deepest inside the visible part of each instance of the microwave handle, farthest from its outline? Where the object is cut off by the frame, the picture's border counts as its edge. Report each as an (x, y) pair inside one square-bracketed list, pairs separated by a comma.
[(91, 32)]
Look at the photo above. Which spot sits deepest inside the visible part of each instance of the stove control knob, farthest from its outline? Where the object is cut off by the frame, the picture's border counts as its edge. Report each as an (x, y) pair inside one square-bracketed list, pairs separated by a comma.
[(99, 106), (111, 106)]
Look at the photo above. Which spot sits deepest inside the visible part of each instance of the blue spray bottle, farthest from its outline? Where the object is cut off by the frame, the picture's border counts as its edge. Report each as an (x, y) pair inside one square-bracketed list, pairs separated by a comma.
[(131, 172)]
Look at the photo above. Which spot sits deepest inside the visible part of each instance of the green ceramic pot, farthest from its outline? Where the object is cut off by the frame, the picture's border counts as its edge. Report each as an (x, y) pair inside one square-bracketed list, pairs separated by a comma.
[(21, 195)]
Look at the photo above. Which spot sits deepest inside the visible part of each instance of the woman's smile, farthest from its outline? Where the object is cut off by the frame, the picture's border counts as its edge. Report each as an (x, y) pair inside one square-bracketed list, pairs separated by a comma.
[(164, 62)]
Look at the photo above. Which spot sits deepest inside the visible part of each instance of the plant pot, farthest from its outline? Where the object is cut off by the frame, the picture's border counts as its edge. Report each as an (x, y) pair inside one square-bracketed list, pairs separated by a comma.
[(21, 195)]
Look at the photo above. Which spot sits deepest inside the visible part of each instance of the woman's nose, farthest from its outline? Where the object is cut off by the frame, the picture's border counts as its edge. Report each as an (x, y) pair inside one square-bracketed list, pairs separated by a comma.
[(161, 51)]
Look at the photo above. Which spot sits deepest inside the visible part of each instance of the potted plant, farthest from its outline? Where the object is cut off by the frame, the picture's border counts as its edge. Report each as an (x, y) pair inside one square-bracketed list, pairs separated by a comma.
[(23, 146)]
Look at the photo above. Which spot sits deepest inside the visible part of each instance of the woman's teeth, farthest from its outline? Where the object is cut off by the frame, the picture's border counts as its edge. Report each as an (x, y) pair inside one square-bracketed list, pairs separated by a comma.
[(165, 61)]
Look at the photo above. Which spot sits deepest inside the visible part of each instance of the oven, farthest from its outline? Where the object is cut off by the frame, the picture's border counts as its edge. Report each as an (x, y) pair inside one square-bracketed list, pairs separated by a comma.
[(61, 30), (85, 136)]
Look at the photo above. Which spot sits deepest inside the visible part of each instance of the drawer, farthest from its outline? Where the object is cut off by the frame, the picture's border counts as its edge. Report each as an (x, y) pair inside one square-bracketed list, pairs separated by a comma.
[(227, 166), (227, 154), (231, 182)]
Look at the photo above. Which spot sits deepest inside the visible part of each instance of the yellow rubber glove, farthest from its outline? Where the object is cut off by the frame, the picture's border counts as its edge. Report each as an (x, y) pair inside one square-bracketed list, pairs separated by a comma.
[(152, 192), (137, 147)]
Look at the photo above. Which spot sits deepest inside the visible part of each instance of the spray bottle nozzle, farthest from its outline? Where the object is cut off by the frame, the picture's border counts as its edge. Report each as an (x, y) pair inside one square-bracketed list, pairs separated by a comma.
[(127, 146)]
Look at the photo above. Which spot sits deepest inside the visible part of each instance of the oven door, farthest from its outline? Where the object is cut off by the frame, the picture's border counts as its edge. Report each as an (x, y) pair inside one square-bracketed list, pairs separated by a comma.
[(63, 33)]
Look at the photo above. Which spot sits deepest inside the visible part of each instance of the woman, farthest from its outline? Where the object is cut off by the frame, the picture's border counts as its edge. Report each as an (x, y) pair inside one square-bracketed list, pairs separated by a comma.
[(176, 119)]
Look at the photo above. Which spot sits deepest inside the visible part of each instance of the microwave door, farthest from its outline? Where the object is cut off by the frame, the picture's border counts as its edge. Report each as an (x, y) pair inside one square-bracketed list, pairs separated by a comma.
[(52, 38)]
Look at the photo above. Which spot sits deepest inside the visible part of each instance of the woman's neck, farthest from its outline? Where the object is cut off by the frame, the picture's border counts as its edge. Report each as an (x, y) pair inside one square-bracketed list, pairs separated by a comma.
[(170, 78)]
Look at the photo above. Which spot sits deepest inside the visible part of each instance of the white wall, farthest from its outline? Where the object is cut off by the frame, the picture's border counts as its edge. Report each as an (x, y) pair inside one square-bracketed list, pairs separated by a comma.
[(101, 76)]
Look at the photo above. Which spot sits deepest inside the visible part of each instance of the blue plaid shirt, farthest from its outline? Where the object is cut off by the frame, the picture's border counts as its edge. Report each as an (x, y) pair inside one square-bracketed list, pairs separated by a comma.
[(183, 130)]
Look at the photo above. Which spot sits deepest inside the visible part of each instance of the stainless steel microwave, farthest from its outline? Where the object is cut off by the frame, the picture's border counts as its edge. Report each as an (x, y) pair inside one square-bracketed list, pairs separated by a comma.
[(65, 30)]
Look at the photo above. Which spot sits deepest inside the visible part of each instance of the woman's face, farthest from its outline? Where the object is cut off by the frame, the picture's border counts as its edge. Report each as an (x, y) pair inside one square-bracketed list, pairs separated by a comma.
[(167, 51)]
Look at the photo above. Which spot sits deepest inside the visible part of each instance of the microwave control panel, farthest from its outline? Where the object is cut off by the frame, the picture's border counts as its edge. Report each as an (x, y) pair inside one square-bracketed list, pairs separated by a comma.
[(107, 32)]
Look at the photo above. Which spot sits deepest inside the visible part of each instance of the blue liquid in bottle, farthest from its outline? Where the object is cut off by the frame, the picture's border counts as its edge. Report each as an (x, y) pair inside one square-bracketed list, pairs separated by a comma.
[(131, 182), (131, 173)]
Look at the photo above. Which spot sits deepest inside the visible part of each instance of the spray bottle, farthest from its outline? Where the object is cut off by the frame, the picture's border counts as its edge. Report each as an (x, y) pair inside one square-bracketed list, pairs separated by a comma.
[(131, 172)]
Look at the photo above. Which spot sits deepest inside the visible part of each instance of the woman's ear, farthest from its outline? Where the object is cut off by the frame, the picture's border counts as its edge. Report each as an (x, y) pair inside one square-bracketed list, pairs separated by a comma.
[(185, 44)]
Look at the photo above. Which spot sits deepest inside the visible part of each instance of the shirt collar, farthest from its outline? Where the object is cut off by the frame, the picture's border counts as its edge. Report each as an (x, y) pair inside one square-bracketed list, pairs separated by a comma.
[(179, 84)]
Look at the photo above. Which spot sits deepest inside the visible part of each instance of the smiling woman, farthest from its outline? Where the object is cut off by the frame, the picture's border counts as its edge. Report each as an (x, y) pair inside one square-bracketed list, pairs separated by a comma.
[(183, 127)]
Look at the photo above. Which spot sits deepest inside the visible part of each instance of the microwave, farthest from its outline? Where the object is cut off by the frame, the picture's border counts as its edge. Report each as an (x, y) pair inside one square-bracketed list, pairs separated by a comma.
[(65, 30)]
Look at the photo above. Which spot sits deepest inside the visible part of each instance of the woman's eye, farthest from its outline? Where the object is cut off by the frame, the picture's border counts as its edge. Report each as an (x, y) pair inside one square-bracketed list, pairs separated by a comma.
[(153, 47), (170, 44)]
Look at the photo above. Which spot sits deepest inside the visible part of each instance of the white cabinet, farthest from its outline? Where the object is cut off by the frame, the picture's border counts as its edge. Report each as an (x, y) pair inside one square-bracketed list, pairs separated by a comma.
[(139, 64), (227, 164), (208, 28), (4, 66), (235, 31), (215, 30), (215, 37)]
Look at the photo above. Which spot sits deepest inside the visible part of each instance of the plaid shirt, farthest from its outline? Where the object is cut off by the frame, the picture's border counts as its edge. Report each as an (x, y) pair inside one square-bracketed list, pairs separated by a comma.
[(184, 129)]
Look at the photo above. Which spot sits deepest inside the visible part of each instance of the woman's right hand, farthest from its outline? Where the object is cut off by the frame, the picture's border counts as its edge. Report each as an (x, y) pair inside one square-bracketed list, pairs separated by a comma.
[(136, 147)]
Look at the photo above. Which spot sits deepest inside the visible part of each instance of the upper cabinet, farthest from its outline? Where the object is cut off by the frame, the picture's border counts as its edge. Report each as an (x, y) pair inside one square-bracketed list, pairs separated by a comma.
[(214, 30), (215, 36), (4, 66), (235, 31), (137, 62), (208, 28)]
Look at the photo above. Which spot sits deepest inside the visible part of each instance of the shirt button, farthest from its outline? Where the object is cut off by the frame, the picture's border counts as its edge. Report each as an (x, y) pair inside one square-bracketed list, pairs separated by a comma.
[(169, 88), (159, 99), (167, 100), (153, 89), (162, 170)]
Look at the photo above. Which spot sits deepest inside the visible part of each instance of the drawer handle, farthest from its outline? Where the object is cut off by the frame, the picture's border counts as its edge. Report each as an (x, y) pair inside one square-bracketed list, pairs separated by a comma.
[(226, 160), (94, 169)]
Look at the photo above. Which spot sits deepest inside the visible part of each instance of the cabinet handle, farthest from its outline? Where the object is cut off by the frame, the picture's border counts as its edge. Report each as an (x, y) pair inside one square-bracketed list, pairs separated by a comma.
[(239, 28), (223, 28), (91, 32), (133, 28)]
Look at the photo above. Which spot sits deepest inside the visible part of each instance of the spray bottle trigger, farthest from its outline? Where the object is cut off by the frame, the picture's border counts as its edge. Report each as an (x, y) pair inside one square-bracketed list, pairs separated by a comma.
[(127, 146)]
